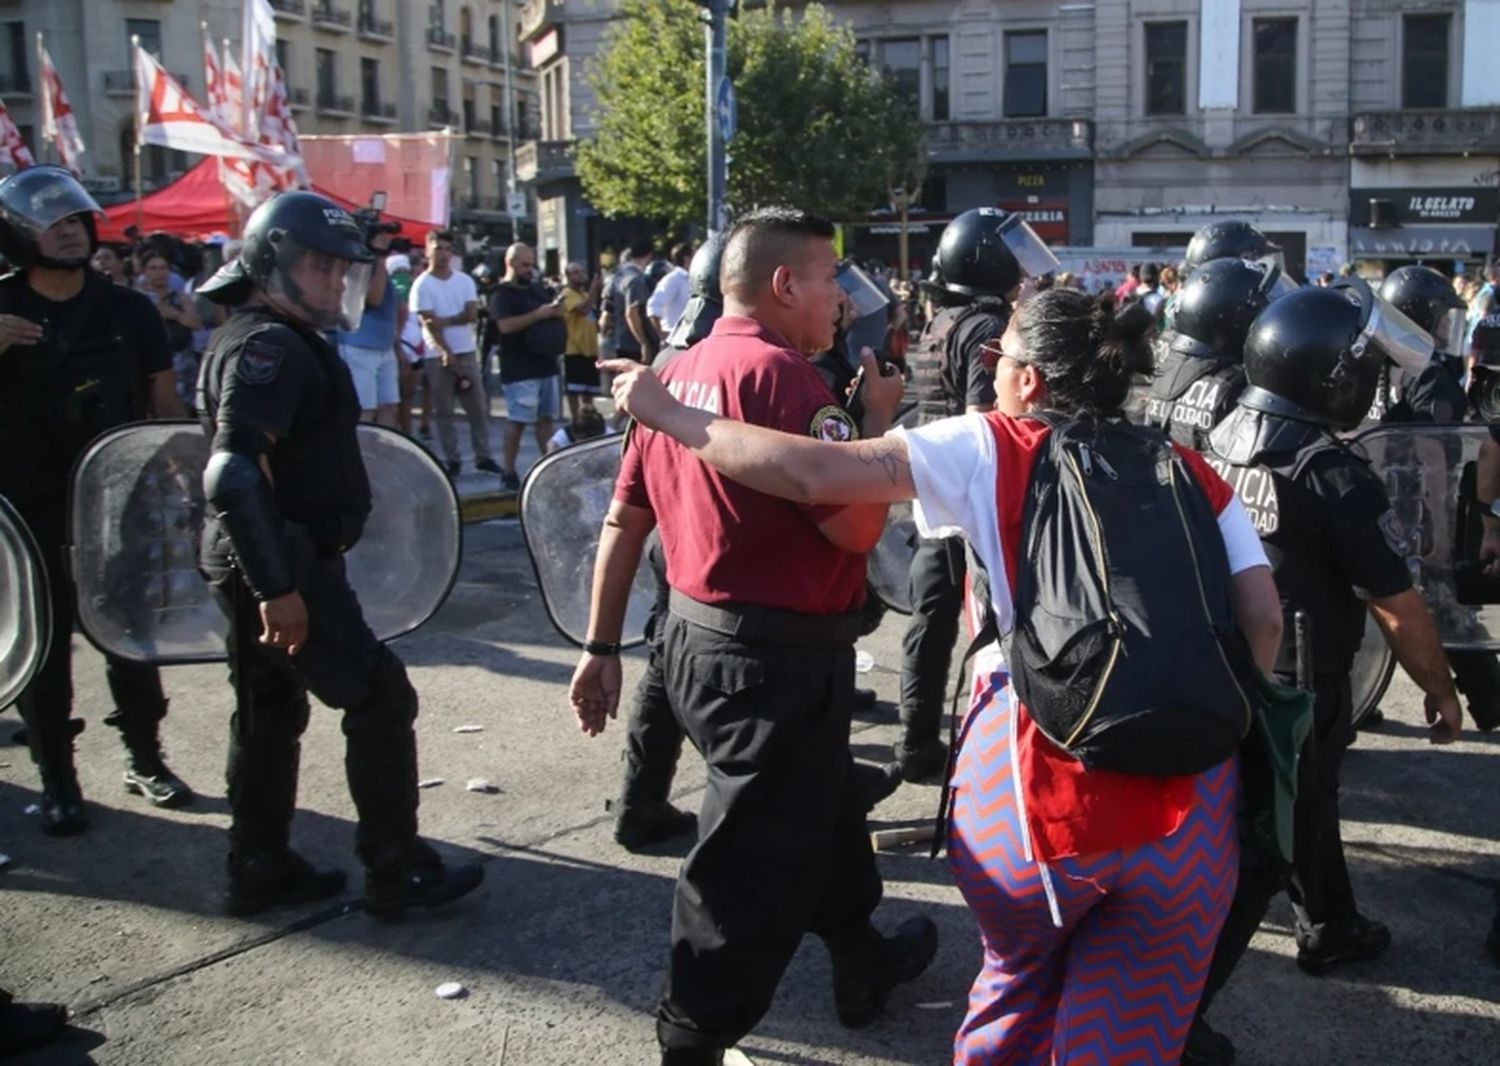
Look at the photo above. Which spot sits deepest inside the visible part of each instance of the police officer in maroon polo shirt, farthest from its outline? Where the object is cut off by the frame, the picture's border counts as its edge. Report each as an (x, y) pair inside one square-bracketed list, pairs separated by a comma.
[(758, 653)]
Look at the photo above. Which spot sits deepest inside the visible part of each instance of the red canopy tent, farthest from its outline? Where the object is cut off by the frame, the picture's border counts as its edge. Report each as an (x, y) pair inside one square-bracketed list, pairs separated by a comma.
[(195, 207)]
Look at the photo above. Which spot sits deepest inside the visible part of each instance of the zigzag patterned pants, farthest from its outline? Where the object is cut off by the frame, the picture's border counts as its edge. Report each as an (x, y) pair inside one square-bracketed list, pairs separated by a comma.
[(1119, 981)]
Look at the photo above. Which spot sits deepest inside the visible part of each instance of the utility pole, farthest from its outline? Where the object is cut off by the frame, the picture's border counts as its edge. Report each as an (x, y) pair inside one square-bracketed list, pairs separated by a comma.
[(719, 110)]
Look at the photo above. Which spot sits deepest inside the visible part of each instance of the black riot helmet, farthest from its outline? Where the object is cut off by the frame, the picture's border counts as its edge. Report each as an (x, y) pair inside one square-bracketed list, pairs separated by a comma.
[(1217, 304), (988, 252), (706, 304), (1315, 355), (278, 235), (32, 201), (1231, 238), (1427, 298)]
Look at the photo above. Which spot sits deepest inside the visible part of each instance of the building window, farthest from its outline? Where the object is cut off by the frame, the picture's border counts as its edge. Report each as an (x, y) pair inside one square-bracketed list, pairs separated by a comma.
[(1275, 66), (149, 31), (440, 93), (15, 75), (471, 105), (901, 59), (1166, 68), (471, 178), (497, 113), (437, 18), (1424, 60), (328, 77), (1026, 74), (940, 79), (497, 171), (369, 86), (494, 38)]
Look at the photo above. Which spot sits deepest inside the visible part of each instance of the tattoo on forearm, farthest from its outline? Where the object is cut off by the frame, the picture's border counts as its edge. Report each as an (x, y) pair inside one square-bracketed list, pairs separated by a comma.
[(886, 454)]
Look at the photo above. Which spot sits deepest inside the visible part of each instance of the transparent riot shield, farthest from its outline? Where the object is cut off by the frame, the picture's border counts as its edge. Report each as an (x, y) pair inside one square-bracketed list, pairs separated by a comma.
[(563, 504), (25, 607), (1374, 665), (1422, 468), (136, 517)]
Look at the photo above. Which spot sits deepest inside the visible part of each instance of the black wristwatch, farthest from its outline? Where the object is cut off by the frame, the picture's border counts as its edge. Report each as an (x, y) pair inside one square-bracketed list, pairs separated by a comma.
[(601, 647)]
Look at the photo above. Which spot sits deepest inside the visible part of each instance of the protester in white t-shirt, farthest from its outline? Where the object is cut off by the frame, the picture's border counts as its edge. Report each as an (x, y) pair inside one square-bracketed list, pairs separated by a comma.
[(447, 303), (1063, 352), (670, 297)]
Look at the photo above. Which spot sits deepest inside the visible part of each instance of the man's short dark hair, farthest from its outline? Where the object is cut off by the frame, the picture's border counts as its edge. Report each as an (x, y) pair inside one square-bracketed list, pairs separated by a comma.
[(642, 246), (763, 240), (681, 254), (435, 235), (1150, 274)]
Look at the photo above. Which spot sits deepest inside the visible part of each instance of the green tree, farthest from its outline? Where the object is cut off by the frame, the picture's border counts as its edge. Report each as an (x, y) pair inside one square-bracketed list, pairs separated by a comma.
[(817, 128)]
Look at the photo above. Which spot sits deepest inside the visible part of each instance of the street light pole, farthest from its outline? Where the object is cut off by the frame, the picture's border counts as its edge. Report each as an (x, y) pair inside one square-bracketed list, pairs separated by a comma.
[(717, 32)]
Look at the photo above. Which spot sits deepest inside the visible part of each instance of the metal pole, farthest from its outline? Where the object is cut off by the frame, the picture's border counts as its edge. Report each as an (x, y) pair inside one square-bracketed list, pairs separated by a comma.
[(140, 119), (510, 117), (718, 164)]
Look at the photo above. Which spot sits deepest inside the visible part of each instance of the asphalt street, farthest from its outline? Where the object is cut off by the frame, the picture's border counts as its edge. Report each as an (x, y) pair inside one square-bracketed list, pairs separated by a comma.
[(562, 950)]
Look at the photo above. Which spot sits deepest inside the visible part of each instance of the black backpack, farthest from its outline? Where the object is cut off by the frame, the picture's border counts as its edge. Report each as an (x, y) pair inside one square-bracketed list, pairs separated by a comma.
[(1125, 649)]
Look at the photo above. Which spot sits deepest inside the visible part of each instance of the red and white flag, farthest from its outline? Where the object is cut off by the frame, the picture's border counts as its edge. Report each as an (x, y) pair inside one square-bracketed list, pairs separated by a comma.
[(59, 125), (213, 83), (13, 149), (258, 40), (167, 116)]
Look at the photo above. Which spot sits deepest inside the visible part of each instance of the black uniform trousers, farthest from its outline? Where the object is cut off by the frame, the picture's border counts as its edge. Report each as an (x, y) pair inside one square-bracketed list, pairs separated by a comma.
[(47, 703), (345, 666), (1318, 880), (783, 848), (653, 737), (938, 568)]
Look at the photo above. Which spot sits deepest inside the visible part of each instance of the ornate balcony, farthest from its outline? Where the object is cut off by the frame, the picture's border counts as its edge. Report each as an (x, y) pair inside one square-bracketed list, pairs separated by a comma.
[(439, 41), (327, 17), (1455, 131), (544, 161), (289, 9)]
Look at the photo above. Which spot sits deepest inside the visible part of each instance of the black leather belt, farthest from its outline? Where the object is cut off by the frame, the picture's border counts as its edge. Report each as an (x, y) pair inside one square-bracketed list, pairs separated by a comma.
[(764, 625)]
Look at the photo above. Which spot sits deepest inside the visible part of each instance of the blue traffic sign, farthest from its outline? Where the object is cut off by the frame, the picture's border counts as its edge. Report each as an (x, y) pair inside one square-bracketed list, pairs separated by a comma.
[(725, 107)]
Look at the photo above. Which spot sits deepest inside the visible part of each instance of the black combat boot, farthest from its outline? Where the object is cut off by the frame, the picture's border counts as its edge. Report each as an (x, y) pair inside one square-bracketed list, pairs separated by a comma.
[(867, 966), (1206, 1046), (260, 880), (642, 825), (63, 811), (412, 874), (923, 763), (28, 1026), (692, 1056), (1320, 948), (146, 774)]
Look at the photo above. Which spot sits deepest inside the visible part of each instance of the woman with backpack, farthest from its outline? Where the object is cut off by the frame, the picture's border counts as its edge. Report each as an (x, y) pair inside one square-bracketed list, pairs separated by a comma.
[(1099, 891)]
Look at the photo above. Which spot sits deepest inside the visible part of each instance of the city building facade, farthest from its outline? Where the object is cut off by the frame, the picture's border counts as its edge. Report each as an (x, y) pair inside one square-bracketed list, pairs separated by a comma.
[(352, 67)]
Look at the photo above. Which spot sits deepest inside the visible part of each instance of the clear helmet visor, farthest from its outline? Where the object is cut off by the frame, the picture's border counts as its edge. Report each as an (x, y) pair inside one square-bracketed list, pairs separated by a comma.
[(864, 296), (1451, 328), (1388, 331), (35, 202), (1278, 283), (323, 290), (1030, 251)]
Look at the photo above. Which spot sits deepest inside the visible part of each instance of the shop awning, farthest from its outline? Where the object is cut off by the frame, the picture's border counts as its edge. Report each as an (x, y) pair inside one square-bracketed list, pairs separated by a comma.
[(1412, 242)]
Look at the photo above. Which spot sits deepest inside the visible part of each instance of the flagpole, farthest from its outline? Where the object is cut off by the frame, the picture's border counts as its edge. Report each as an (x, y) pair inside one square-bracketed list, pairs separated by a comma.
[(135, 72), (229, 213), (48, 106)]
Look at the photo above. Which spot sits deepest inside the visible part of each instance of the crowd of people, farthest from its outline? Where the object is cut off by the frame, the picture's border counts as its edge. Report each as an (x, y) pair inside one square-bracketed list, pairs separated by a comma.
[(1128, 726)]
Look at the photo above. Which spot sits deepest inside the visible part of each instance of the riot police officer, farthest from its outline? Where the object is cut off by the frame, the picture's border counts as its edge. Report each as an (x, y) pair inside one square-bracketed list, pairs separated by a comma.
[(982, 258), (653, 737), (287, 495), (1200, 376), (78, 355), (1433, 395), (1232, 238), (1312, 364)]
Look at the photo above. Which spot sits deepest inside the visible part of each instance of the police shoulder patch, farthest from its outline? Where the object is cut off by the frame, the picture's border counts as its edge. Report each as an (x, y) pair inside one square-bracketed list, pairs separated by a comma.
[(833, 423), (1394, 532), (259, 362)]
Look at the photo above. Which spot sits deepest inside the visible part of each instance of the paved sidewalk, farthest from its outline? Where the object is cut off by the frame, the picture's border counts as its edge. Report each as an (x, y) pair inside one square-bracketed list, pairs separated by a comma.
[(562, 950)]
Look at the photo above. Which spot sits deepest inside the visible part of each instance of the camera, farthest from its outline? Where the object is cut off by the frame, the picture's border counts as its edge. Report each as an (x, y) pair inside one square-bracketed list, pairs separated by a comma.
[(369, 220)]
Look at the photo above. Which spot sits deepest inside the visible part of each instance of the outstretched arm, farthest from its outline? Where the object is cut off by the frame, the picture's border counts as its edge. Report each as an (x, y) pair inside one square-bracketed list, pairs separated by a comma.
[(779, 464)]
